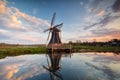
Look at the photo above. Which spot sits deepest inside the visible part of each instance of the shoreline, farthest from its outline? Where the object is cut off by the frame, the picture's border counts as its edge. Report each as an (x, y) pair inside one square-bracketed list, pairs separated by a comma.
[(15, 51)]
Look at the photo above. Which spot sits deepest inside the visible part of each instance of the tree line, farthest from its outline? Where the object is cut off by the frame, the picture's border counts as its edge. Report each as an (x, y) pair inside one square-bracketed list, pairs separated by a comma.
[(113, 42)]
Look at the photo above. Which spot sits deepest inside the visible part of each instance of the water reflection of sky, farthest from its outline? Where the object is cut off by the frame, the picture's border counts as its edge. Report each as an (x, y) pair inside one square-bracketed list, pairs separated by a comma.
[(81, 66), (21, 67)]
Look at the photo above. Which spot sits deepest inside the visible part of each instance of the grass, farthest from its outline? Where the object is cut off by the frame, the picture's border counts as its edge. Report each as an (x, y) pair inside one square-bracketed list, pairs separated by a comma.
[(14, 51), (97, 48)]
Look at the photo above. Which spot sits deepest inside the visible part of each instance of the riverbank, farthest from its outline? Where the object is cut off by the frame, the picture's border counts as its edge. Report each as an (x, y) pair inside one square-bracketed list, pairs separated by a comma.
[(96, 49), (14, 51), (21, 50)]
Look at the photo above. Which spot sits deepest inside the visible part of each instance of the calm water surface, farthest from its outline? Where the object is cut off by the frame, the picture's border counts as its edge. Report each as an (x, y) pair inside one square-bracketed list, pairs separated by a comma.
[(75, 66)]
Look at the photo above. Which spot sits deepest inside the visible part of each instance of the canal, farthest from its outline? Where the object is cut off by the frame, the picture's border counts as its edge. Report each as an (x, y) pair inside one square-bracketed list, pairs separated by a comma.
[(75, 66)]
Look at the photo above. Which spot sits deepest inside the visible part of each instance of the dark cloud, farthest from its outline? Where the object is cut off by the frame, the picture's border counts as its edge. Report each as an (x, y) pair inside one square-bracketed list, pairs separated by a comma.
[(106, 19), (116, 6), (95, 6), (90, 26), (109, 15)]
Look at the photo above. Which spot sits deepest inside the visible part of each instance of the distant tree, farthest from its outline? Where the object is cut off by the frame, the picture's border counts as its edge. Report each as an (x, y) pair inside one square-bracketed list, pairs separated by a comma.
[(115, 40), (70, 42)]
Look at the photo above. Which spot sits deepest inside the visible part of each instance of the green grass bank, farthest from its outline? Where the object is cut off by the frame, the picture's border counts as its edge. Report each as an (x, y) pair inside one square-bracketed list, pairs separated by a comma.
[(97, 48), (20, 50), (14, 51)]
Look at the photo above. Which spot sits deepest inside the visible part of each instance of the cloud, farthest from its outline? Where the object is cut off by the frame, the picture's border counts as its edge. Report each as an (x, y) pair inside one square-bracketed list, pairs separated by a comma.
[(13, 20), (108, 18), (9, 21), (26, 37), (100, 13), (91, 38), (108, 33), (2, 31), (37, 22), (105, 31), (3, 37), (90, 26), (116, 6), (95, 6), (3, 8), (101, 34), (6, 34), (3, 34)]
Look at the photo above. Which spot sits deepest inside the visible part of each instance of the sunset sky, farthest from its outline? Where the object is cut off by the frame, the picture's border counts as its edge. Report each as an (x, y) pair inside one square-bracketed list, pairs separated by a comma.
[(23, 21)]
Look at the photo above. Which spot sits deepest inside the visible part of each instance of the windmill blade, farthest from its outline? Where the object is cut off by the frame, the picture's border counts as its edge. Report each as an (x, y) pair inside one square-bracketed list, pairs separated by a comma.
[(54, 73), (48, 36), (58, 75), (60, 35), (58, 26), (46, 30), (46, 68), (53, 19)]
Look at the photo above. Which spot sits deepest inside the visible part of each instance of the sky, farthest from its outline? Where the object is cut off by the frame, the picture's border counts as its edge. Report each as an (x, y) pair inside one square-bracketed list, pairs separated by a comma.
[(23, 21)]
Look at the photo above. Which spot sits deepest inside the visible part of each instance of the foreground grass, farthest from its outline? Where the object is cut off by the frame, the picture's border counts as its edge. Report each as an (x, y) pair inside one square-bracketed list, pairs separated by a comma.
[(14, 51)]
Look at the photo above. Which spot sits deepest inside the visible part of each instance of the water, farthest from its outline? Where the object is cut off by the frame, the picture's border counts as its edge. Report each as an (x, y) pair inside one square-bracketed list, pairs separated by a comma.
[(76, 66)]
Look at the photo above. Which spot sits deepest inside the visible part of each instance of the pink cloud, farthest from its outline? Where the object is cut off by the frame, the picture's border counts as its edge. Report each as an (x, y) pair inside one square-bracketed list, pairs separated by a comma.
[(12, 18), (3, 8), (101, 38), (26, 37), (31, 19), (100, 13)]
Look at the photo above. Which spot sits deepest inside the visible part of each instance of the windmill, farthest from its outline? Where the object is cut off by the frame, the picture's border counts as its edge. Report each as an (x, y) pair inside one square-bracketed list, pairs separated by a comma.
[(55, 32)]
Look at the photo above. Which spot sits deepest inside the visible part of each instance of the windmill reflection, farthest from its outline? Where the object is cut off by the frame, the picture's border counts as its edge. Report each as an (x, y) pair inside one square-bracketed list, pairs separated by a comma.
[(54, 65)]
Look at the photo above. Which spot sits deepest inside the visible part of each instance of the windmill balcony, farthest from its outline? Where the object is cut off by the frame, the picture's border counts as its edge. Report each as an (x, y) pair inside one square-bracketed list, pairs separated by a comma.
[(59, 48)]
